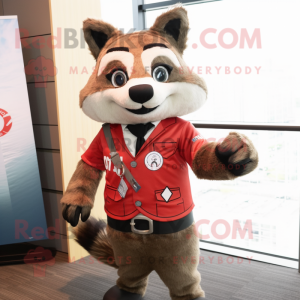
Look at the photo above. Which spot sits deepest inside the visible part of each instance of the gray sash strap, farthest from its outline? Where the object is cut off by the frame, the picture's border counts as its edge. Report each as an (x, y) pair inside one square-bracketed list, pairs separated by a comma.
[(115, 158)]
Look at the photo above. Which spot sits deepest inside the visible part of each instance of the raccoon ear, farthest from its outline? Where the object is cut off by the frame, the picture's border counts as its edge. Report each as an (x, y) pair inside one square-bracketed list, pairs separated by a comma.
[(97, 33), (173, 25)]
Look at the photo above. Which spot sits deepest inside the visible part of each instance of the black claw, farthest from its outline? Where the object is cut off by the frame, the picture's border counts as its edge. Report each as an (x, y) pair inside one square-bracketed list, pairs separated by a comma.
[(71, 213), (74, 216), (223, 154), (85, 213), (239, 168), (236, 169), (65, 211)]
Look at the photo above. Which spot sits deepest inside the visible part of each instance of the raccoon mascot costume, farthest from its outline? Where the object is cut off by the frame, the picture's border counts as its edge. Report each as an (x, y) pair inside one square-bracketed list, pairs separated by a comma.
[(140, 86)]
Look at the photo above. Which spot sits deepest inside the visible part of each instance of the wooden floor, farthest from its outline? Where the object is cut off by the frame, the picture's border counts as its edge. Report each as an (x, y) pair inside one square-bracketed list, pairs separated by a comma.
[(87, 279)]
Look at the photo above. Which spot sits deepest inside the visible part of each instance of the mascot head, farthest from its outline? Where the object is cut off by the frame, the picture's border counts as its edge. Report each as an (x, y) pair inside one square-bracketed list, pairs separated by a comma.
[(141, 77)]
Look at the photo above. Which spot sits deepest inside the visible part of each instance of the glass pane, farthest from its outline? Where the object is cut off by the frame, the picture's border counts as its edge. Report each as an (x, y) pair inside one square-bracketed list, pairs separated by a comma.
[(247, 82), (266, 200), (118, 13)]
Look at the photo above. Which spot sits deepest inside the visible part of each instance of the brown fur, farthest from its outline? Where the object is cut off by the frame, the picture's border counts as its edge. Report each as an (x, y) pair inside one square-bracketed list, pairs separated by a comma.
[(175, 13), (137, 41), (206, 165), (136, 256), (180, 75), (83, 185), (243, 148), (173, 256), (91, 235), (96, 25), (99, 83)]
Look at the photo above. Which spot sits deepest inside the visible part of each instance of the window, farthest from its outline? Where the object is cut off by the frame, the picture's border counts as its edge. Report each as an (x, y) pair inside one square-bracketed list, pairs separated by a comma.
[(252, 82), (265, 203), (247, 52)]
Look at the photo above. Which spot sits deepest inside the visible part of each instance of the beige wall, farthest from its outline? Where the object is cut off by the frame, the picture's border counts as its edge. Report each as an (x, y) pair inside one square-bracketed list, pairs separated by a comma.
[(73, 124)]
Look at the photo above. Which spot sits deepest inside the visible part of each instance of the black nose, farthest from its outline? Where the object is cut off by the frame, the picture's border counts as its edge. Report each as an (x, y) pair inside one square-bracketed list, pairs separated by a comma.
[(141, 93)]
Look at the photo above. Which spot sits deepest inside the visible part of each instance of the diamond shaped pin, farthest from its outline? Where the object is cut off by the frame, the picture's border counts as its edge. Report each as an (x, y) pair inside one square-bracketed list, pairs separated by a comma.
[(166, 194)]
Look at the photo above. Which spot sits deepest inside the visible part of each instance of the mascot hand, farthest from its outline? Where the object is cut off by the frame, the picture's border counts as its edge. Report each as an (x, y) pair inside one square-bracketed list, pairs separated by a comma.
[(238, 154), (71, 213)]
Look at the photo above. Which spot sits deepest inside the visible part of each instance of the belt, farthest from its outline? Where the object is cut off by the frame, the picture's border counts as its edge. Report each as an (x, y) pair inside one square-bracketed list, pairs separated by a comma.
[(141, 224)]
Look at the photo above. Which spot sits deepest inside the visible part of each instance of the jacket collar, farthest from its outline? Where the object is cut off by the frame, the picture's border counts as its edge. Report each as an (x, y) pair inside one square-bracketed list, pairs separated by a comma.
[(161, 127)]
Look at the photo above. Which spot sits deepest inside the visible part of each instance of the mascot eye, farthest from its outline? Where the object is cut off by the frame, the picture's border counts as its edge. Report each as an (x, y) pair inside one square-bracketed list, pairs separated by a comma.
[(160, 74), (118, 78)]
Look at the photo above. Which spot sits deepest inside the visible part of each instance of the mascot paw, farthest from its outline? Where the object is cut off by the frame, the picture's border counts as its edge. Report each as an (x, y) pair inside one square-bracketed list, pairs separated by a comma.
[(71, 213), (238, 154)]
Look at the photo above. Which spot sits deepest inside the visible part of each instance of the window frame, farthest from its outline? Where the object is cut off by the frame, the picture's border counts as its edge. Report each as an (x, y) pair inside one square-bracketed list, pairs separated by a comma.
[(139, 10)]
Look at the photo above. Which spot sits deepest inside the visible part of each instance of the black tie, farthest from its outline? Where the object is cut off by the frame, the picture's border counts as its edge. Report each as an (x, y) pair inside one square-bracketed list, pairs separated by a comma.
[(139, 130)]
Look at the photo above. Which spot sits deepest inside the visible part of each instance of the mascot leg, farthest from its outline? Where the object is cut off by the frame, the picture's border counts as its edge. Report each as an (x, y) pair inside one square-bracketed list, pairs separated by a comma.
[(123, 251), (129, 255), (173, 256), (178, 270)]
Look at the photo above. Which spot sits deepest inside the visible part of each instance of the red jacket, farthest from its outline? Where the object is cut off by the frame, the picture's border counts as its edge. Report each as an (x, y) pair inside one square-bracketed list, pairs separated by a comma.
[(160, 167)]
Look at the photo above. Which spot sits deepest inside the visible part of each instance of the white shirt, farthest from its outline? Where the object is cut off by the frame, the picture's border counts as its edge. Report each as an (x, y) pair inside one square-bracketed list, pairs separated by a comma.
[(130, 139)]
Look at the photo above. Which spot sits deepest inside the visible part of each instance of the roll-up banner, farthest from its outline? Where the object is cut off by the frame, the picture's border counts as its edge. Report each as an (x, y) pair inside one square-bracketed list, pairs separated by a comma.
[(22, 214)]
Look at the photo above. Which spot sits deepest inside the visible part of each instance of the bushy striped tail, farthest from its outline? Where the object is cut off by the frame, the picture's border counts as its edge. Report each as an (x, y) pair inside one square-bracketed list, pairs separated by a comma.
[(92, 236)]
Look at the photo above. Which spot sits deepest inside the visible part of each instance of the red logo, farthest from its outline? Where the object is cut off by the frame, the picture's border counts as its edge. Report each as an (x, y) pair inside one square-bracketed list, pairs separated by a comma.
[(5, 122), (40, 258)]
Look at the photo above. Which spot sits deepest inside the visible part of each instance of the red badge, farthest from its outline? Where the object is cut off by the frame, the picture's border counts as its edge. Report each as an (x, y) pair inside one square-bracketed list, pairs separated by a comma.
[(5, 122)]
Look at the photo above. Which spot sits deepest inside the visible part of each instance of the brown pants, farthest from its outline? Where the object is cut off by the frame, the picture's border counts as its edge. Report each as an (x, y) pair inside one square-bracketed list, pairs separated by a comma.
[(173, 256)]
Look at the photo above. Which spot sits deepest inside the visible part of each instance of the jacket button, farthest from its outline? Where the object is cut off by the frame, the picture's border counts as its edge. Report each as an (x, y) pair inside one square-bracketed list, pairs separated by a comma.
[(133, 164), (138, 203)]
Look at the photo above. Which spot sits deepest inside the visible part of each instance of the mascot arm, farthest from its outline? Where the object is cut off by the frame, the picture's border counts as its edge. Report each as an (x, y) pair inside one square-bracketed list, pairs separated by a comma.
[(80, 194), (235, 156)]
